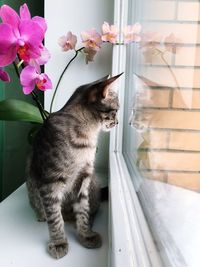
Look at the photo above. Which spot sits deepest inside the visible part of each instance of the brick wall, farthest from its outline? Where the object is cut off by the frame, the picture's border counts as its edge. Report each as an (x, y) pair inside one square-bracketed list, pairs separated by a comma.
[(169, 96)]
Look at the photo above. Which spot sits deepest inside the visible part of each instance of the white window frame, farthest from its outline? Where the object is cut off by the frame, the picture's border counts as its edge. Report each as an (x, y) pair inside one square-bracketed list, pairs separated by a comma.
[(131, 243)]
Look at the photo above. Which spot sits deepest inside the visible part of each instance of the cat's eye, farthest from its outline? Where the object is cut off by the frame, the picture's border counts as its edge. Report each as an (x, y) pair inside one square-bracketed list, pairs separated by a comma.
[(107, 118), (112, 111)]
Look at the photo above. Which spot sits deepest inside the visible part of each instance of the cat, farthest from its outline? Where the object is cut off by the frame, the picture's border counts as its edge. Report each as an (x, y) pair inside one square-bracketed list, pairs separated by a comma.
[(61, 182)]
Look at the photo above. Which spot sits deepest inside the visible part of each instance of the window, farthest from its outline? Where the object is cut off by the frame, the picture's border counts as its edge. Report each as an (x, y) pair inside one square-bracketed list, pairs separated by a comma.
[(157, 157)]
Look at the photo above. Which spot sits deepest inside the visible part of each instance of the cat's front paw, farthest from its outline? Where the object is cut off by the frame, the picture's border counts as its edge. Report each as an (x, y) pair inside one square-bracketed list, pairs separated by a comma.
[(90, 240), (58, 249)]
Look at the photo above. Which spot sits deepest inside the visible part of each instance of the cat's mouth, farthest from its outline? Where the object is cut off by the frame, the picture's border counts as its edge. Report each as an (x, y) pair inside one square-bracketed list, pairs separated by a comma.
[(108, 127)]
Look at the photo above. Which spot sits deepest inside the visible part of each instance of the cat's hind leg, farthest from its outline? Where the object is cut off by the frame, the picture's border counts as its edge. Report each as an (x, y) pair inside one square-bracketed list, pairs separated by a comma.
[(35, 200), (82, 210)]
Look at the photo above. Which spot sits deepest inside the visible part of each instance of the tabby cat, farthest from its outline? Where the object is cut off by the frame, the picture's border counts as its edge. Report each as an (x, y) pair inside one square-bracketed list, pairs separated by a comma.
[(61, 182)]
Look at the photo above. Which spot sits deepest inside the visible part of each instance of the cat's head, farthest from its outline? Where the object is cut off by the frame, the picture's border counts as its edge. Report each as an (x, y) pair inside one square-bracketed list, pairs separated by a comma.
[(101, 100)]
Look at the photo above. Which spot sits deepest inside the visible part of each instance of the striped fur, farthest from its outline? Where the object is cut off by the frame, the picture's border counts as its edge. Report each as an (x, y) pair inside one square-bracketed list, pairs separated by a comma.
[(60, 170)]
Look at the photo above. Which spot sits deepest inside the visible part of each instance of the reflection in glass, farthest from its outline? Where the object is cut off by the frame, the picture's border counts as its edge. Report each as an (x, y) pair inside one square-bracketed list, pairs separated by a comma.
[(163, 100)]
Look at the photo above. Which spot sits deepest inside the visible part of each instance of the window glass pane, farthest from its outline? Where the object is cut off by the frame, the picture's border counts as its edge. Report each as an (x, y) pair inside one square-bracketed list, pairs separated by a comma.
[(162, 104)]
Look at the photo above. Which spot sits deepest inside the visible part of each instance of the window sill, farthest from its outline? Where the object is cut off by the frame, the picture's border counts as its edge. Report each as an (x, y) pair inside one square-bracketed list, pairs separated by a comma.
[(131, 240), (24, 240), (175, 214)]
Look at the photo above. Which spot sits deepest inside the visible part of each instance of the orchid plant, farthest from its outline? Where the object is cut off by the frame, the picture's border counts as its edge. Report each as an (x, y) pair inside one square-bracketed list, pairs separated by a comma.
[(92, 41), (21, 44)]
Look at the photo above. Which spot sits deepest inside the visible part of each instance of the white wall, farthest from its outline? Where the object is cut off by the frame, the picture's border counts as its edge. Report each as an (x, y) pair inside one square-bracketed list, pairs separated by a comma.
[(77, 16)]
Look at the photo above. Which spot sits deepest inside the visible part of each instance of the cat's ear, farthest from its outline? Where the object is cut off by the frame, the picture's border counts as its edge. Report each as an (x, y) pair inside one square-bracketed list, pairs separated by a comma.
[(100, 88), (106, 85), (99, 81)]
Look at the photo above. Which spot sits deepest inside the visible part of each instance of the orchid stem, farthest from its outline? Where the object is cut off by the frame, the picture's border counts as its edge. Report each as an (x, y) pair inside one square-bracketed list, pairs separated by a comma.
[(16, 69), (61, 76), (118, 43), (170, 69), (39, 105), (34, 96), (20, 63)]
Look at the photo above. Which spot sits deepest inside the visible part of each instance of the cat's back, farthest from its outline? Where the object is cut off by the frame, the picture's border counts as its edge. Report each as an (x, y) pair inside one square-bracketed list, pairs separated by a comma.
[(51, 149), (62, 143)]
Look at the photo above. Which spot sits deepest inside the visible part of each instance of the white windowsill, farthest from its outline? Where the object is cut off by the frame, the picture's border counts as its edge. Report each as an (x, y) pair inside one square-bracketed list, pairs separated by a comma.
[(175, 214), (132, 243), (24, 240)]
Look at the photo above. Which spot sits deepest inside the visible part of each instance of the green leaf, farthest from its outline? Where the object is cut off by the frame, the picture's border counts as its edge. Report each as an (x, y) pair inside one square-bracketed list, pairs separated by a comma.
[(17, 110)]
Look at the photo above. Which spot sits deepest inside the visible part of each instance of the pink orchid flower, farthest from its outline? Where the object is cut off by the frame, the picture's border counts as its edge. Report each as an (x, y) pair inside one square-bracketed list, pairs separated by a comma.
[(109, 33), (25, 15), (44, 55), (42, 59), (91, 39), (150, 40), (172, 43), (131, 33), (89, 54), (68, 42), (30, 78), (4, 76), (19, 36)]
